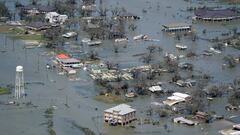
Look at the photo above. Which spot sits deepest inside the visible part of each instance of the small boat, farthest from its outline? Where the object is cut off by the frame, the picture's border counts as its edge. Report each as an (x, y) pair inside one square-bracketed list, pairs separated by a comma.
[(140, 37), (69, 34), (93, 43), (121, 40), (215, 50), (181, 47)]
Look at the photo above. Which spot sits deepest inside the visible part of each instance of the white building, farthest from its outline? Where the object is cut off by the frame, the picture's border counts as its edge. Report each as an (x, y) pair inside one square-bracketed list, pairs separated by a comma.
[(65, 60), (176, 97), (54, 17), (155, 88), (121, 114)]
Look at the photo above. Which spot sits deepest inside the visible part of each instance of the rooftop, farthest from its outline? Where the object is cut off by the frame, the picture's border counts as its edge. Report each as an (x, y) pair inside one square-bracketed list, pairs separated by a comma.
[(181, 95), (155, 88), (62, 56), (41, 8), (218, 13), (37, 24), (176, 98), (173, 25), (122, 109), (183, 120), (70, 60)]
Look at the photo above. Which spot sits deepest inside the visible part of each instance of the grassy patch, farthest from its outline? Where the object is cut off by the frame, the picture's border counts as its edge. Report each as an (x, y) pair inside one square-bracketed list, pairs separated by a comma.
[(35, 37), (4, 91), (19, 33), (5, 28), (86, 131), (11, 29), (110, 99)]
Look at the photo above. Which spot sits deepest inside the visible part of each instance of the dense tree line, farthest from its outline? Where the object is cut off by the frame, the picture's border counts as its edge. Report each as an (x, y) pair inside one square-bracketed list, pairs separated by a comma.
[(4, 12)]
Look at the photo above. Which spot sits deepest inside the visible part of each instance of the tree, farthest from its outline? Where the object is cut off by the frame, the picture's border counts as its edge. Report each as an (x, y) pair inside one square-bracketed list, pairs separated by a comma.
[(4, 10), (234, 99), (163, 113), (88, 2), (230, 61), (93, 55), (52, 36), (147, 59), (198, 102), (33, 2), (215, 92), (125, 86), (103, 11), (151, 48)]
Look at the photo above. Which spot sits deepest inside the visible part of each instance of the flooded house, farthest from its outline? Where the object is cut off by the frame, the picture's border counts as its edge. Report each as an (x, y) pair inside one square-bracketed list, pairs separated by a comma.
[(103, 73), (176, 97), (115, 33), (38, 26), (234, 130), (216, 15), (183, 120), (177, 27), (55, 18), (156, 88), (201, 116), (127, 15), (37, 9), (69, 71), (89, 7), (121, 114), (65, 60)]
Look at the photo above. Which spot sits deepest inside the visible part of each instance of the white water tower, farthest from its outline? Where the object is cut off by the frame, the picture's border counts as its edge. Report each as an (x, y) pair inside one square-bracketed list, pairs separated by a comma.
[(19, 83)]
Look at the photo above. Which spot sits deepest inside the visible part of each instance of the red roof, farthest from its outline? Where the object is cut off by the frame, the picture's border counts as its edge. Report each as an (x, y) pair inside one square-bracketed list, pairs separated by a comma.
[(63, 56)]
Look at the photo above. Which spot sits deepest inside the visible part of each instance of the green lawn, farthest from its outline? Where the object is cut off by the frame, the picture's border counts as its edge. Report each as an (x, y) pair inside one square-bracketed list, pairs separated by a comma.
[(37, 37), (19, 33), (112, 99), (11, 29), (4, 91)]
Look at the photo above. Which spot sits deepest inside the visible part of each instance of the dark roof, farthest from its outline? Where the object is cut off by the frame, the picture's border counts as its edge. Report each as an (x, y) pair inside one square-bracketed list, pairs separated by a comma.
[(29, 7), (219, 13), (37, 25), (176, 25), (41, 8)]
